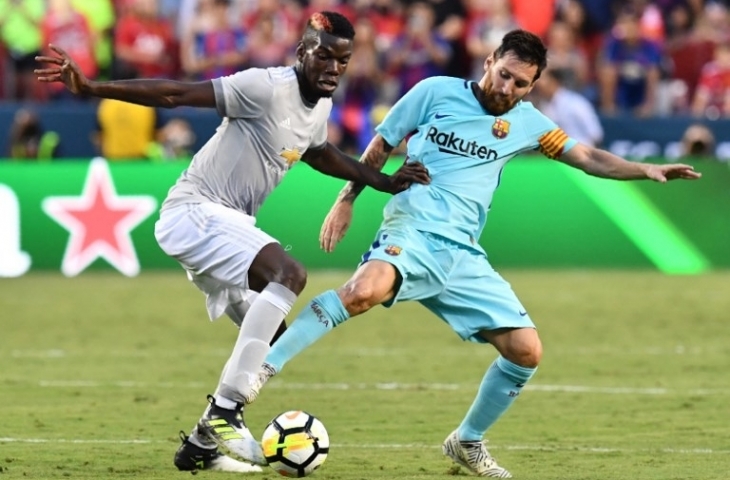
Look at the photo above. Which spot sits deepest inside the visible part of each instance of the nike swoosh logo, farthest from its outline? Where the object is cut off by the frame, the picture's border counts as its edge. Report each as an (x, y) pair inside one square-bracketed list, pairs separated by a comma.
[(438, 117), (523, 313)]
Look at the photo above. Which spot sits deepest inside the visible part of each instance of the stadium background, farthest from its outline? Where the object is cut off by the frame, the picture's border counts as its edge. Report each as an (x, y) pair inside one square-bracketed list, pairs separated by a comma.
[(670, 58), (545, 216)]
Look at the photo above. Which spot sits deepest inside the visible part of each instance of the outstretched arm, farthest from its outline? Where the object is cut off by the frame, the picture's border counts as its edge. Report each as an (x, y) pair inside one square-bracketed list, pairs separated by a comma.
[(331, 161), (601, 163), (149, 92)]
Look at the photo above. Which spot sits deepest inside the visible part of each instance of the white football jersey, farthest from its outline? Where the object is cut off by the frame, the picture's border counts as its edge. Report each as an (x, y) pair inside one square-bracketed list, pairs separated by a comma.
[(267, 126)]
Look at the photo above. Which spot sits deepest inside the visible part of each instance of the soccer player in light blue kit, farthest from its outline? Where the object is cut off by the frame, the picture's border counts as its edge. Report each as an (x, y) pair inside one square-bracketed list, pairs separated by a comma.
[(427, 247)]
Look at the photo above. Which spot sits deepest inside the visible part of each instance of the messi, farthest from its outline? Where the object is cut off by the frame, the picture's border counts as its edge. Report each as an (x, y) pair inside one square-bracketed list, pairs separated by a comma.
[(450, 143)]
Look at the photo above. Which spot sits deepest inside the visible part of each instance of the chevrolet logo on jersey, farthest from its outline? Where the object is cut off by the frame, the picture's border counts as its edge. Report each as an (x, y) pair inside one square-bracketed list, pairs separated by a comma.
[(500, 128), (450, 143), (291, 155)]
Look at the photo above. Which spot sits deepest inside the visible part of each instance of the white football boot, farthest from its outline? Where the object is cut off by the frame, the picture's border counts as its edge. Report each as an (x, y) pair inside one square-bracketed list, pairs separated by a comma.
[(474, 456), (266, 372)]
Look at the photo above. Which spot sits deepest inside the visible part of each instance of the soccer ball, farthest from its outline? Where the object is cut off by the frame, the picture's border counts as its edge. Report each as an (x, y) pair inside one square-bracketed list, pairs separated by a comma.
[(295, 443)]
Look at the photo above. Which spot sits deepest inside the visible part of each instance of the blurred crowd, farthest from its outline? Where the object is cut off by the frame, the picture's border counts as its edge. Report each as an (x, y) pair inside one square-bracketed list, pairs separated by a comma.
[(640, 57)]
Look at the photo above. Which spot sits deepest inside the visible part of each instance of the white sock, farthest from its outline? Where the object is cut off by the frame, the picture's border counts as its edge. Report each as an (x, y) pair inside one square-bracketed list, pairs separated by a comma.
[(225, 402), (217, 393), (261, 323), (238, 306)]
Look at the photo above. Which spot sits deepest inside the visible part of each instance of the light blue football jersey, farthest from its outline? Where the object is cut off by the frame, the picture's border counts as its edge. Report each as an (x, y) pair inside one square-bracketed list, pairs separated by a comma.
[(465, 149)]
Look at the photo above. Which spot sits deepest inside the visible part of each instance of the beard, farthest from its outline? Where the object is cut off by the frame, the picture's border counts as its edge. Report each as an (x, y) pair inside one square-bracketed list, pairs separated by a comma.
[(496, 103)]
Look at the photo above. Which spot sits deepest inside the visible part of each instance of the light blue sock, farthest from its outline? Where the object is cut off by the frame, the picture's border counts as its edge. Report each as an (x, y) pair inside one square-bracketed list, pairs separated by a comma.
[(323, 313), (500, 387)]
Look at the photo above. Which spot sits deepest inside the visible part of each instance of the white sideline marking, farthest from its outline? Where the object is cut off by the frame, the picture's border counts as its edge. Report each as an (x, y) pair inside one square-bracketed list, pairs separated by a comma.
[(67, 440), (120, 384), (403, 446), (597, 350), (391, 386)]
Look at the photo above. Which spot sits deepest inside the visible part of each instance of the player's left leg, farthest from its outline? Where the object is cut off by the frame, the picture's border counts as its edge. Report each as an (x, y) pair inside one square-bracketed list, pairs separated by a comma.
[(223, 252), (399, 266), (222, 421), (198, 451), (520, 353), (480, 306), (372, 284), (239, 303)]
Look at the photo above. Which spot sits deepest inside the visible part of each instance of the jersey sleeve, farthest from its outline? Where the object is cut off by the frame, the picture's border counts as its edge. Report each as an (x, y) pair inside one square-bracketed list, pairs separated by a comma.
[(245, 94), (407, 113), (545, 135)]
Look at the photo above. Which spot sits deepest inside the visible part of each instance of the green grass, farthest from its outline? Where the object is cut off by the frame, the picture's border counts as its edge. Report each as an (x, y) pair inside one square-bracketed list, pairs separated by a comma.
[(100, 372)]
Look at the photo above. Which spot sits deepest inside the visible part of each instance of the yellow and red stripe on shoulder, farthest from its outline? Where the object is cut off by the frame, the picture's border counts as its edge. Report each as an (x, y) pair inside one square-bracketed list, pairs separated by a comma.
[(553, 143)]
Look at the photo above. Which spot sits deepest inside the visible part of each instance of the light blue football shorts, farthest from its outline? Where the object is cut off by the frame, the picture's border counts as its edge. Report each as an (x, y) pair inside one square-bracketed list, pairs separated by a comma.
[(455, 282)]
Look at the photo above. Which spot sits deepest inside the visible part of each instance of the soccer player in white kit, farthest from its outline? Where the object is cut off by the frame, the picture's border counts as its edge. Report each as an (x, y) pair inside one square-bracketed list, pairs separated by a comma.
[(272, 118)]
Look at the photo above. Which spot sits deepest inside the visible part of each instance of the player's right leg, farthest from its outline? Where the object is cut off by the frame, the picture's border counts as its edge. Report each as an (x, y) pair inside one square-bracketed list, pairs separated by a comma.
[(222, 248), (373, 283), (398, 267)]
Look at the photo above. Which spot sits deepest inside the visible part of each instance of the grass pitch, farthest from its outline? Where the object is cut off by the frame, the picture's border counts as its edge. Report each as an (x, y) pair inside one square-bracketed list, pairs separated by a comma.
[(100, 372)]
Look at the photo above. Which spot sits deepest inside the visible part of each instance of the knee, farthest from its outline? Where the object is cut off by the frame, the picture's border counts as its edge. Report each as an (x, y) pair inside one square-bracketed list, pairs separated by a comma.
[(274, 265), (358, 296), (526, 353), (292, 275)]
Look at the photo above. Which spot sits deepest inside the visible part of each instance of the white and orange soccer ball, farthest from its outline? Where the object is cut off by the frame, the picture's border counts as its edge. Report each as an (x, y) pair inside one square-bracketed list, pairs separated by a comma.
[(295, 443)]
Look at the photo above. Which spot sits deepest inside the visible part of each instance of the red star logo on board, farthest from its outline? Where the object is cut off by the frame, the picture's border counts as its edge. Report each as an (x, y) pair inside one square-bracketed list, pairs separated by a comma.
[(99, 223)]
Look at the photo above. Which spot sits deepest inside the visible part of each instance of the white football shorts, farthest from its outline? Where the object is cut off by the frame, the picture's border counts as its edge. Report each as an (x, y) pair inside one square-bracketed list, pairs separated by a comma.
[(216, 246)]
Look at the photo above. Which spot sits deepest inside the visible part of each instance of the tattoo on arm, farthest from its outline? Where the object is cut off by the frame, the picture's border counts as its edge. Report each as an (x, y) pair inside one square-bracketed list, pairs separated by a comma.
[(374, 156)]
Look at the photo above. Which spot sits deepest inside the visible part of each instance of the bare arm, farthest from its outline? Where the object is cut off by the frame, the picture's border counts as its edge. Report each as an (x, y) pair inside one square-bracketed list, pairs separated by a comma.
[(339, 217), (601, 163), (149, 92), (156, 93), (375, 155), (331, 161)]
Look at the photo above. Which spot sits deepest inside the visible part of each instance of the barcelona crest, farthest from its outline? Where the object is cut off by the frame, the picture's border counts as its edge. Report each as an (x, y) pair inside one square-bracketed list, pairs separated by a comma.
[(393, 250), (500, 128)]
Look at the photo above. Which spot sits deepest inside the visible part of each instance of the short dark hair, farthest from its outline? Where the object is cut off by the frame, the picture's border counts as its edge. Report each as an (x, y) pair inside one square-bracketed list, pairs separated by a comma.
[(526, 46), (330, 22)]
